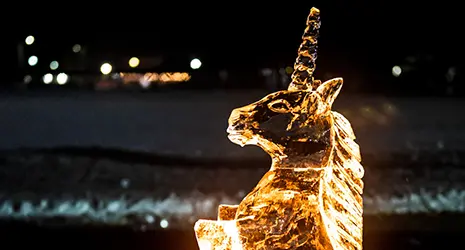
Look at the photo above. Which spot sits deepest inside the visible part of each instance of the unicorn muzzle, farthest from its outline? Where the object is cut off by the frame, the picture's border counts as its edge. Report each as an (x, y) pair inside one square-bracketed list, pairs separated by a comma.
[(238, 120), (239, 136)]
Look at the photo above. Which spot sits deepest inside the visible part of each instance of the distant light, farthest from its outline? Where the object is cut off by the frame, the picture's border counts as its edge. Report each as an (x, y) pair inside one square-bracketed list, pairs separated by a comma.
[(115, 76), (106, 68), (196, 63), (267, 72), (161, 78), (62, 78), (396, 71), (32, 60), (289, 70), (54, 65), (450, 75), (29, 40), (27, 79), (134, 62), (125, 183), (77, 48), (164, 223), (145, 83), (47, 78), (149, 218)]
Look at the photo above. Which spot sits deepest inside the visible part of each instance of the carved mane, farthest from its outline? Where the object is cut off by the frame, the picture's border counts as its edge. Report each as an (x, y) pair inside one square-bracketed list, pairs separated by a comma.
[(341, 189), (340, 194)]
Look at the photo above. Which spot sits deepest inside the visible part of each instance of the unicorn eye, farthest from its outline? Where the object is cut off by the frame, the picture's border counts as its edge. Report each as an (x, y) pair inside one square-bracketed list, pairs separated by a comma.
[(279, 106)]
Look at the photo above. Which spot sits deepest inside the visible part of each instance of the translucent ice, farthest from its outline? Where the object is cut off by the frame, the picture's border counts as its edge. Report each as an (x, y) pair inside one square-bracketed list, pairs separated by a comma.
[(311, 198)]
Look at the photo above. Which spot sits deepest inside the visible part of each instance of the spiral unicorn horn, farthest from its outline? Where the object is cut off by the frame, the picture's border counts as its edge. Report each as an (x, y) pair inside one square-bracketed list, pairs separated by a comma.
[(311, 198), (304, 66)]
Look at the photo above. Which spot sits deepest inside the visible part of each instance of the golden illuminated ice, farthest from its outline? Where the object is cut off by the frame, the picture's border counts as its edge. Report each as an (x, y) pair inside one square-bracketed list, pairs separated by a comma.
[(311, 196)]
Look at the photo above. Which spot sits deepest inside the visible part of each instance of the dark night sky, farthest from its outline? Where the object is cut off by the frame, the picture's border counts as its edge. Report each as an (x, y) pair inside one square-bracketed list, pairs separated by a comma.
[(372, 33)]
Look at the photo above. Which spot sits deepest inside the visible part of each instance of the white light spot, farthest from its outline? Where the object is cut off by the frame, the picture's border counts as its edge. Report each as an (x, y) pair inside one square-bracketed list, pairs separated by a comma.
[(164, 223), (33, 60), (149, 218), (396, 71), (196, 63), (62, 78), (54, 65), (76, 48), (29, 40), (47, 78), (106, 68)]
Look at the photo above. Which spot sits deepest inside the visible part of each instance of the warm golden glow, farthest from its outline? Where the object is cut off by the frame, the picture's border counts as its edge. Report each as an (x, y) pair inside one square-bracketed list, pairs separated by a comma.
[(164, 78), (311, 198), (134, 62)]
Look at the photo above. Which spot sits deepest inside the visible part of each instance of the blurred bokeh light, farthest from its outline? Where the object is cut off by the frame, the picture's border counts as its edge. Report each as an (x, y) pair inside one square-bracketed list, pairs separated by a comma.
[(196, 63), (54, 65), (47, 78), (134, 62), (29, 40), (33, 60), (106, 68)]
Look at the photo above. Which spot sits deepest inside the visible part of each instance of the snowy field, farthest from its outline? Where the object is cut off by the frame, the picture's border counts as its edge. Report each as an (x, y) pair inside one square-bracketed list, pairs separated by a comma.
[(194, 123), (412, 149), (117, 190)]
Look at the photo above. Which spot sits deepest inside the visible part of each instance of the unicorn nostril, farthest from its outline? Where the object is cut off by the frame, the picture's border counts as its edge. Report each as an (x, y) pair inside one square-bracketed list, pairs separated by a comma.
[(234, 128)]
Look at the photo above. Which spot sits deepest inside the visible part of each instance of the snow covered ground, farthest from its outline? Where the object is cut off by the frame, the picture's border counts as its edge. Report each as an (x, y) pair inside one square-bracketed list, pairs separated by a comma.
[(394, 134), (194, 123), (105, 190)]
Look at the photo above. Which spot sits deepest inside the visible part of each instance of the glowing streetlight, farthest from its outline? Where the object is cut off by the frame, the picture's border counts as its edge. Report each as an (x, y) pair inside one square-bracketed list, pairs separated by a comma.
[(32, 61), (106, 68), (62, 78), (54, 65), (196, 63), (29, 40), (47, 78), (134, 62)]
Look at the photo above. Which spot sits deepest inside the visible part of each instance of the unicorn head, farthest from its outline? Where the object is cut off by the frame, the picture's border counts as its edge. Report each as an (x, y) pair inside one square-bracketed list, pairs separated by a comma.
[(293, 123), (289, 123)]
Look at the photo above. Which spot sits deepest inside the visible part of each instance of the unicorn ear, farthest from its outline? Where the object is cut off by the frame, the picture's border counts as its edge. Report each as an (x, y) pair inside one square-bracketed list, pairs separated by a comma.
[(329, 90)]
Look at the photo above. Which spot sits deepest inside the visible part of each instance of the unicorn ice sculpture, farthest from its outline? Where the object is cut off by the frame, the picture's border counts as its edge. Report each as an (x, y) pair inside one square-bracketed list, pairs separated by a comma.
[(311, 196)]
